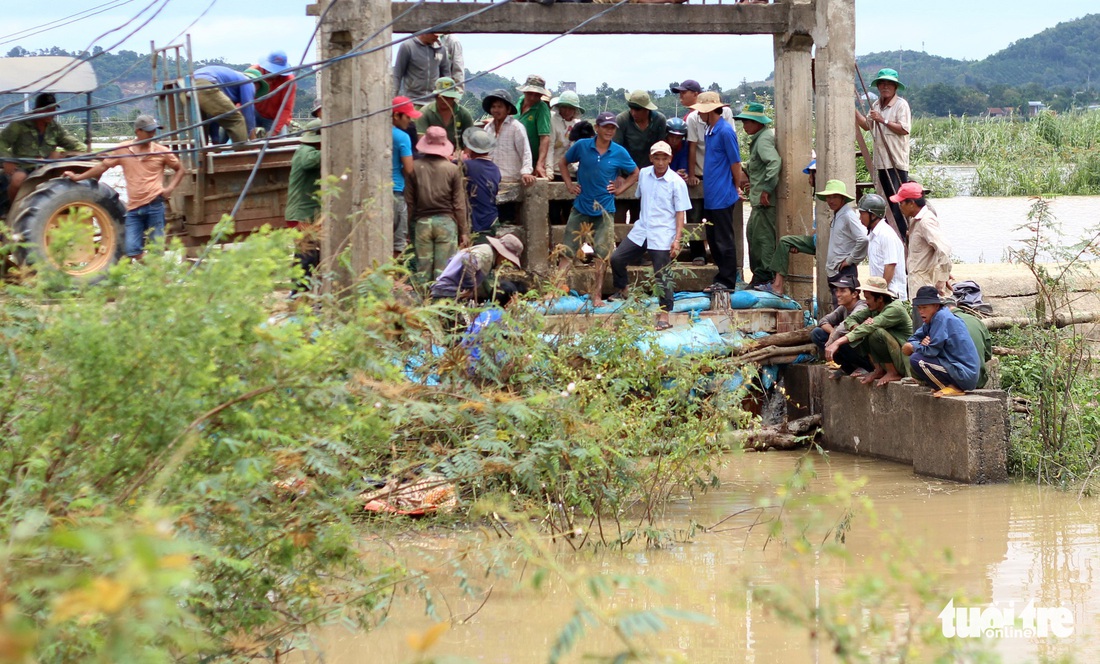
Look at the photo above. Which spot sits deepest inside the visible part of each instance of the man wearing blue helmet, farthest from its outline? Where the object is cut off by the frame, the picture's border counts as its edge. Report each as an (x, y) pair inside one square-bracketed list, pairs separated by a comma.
[(275, 105), (676, 139)]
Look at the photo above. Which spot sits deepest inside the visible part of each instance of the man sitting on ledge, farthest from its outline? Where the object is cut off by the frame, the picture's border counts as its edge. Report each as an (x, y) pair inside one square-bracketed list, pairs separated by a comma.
[(941, 352), (877, 332), (831, 326)]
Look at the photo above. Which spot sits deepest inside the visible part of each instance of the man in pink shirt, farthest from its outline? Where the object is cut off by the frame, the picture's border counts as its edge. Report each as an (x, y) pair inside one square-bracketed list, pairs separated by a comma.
[(143, 164)]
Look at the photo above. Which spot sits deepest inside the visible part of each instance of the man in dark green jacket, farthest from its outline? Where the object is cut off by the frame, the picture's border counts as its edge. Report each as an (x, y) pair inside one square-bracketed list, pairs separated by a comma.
[(979, 334), (762, 168), (446, 112), (38, 137), (878, 332), (302, 203)]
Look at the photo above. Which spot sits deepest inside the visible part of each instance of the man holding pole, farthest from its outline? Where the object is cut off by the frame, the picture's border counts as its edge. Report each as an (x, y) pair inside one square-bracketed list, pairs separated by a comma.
[(889, 123)]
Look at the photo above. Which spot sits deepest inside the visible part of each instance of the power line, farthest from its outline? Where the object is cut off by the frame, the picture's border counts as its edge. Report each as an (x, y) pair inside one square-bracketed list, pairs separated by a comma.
[(46, 27)]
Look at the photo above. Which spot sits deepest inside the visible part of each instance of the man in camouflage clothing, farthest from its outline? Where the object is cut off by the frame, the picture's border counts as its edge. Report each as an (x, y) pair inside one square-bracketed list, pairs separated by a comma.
[(38, 137)]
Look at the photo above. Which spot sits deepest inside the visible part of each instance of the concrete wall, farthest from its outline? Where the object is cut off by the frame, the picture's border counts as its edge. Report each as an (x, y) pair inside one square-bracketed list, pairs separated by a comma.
[(958, 438)]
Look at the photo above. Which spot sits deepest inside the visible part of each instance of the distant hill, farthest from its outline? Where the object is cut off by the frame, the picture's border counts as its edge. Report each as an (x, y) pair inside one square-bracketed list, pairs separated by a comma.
[(1063, 56)]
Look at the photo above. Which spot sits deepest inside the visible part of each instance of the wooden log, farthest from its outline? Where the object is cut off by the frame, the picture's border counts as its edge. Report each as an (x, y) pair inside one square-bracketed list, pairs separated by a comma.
[(1017, 352), (1058, 320), (794, 338), (774, 351)]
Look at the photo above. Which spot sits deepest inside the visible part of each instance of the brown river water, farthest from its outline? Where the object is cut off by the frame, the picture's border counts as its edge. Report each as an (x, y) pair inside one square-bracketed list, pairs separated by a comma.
[(1012, 544)]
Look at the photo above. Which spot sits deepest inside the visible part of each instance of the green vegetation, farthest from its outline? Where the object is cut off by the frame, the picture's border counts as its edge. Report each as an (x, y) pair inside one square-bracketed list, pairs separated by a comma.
[(182, 467), (1057, 440), (1050, 154)]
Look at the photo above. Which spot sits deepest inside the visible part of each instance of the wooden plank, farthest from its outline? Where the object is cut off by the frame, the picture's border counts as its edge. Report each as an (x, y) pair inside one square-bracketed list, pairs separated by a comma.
[(557, 18)]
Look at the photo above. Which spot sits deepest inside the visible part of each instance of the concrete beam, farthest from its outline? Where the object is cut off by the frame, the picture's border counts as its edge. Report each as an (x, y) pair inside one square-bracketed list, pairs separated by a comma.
[(555, 19), (794, 140), (361, 217), (835, 37)]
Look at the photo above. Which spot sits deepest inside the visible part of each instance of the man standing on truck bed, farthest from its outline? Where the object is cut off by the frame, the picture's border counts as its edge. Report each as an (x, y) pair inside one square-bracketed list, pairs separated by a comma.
[(37, 137), (276, 111), (233, 89), (143, 164)]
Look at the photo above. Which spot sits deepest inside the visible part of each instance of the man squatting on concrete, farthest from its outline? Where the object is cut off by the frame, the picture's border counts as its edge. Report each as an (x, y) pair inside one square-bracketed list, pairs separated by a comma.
[(831, 326), (601, 165), (660, 225), (941, 352), (143, 164), (877, 333)]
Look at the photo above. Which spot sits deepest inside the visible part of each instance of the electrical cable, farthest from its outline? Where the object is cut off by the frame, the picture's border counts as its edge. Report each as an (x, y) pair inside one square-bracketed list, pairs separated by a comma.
[(46, 27)]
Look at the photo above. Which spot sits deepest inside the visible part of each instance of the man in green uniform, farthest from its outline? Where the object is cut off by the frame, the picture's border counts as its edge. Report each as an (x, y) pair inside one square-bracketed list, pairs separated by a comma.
[(446, 112), (762, 168), (38, 137), (878, 332), (534, 115), (302, 203)]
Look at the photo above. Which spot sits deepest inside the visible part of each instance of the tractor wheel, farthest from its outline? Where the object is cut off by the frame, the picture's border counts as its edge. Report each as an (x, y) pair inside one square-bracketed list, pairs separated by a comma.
[(72, 227)]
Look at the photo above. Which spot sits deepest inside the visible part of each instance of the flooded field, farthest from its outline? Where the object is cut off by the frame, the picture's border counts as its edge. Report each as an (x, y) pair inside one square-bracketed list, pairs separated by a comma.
[(1012, 544)]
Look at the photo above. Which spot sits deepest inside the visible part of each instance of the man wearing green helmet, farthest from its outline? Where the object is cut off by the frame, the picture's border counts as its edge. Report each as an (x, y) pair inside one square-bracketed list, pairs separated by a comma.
[(565, 112), (889, 123)]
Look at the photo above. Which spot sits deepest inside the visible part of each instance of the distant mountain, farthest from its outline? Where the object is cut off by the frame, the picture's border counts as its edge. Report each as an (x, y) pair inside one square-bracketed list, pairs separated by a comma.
[(1067, 55)]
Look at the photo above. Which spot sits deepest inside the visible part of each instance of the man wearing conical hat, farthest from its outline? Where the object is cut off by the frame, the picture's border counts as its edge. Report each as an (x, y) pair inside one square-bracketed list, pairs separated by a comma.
[(889, 123), (762, 169)]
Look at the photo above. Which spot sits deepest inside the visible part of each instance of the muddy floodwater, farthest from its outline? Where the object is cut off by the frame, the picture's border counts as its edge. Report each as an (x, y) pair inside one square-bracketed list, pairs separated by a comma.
[(1012, 544)]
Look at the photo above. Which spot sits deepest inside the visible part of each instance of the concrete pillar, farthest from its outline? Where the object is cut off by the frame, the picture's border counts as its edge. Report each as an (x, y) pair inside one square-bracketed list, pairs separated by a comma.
[(357, 95), (835, 36), (534, 216), (794, 139)]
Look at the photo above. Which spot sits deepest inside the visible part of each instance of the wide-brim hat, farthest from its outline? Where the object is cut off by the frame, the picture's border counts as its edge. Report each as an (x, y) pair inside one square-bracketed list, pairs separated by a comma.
[(508, 246), (535, 84), (640, 98), (568, 98), (478, 141), (275, 62), (708, 102), (927, 295), (501, 95), (312, 134), (834, 187), (754, 112), (447, 87), (435, 142), (877, 285), (257, 77), (887, 74)]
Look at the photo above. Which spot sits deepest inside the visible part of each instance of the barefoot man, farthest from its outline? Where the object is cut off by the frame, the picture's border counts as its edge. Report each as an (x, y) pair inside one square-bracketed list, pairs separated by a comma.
[(878, 332)]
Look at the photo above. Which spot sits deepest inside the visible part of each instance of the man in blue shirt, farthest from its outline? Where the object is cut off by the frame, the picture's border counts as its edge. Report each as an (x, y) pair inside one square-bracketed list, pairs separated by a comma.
[(941, 352), (221, 90), (660, 225), (403, 114), (722, 164), (482, 183), (602, 164)]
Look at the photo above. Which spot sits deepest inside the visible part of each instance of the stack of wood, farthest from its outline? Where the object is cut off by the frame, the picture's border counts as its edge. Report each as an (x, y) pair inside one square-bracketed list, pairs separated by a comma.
[(782, 348), (787, 436)]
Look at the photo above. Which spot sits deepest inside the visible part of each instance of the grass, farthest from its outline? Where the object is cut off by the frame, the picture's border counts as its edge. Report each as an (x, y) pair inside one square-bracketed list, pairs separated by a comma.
[(1047, 155)]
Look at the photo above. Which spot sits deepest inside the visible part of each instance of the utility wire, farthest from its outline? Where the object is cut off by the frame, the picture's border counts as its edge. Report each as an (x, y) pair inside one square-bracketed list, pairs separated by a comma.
[(46, 27)]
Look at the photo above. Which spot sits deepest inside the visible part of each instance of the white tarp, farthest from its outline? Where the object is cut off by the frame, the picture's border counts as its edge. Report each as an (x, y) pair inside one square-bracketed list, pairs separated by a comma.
[(46, 73)]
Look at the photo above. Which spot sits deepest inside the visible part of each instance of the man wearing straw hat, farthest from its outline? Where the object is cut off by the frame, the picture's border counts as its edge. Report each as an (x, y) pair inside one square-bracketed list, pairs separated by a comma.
[(437, 204), (762, 169), (467, 273), (534, 115), (720, 191), (878, 333), (889, 123), (446, 112)]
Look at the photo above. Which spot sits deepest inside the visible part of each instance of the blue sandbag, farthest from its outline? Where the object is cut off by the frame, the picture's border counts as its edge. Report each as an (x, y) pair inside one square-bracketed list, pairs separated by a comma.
[(754, 299), (701, 337), (566, 304), (681, 305)]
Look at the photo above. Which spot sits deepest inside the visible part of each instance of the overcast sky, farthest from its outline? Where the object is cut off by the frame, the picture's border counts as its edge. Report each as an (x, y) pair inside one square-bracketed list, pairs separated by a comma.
[(241, 31)]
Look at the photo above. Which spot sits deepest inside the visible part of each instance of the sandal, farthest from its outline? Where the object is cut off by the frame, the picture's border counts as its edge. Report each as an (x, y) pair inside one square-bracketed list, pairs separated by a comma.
[(699, 261), (949, 391), (664, 325)]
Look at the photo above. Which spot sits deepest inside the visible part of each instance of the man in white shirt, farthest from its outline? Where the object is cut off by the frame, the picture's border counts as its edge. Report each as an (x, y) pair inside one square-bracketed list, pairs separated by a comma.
[(664, 206), (885, 252)]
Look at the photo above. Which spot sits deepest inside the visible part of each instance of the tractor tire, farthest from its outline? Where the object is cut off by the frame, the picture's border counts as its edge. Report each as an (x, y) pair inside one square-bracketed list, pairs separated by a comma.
[(97, 241)]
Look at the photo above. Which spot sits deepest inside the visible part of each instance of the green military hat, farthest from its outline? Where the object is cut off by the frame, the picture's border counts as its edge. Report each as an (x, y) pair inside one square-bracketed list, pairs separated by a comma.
[(887, 74), (446, 87), (312, 133), (754, 112)]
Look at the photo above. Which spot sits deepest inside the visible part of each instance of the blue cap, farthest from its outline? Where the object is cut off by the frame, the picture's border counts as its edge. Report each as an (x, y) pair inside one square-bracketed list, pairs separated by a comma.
[(685, 86), (275, 62), (606, 118), (811, 167)]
